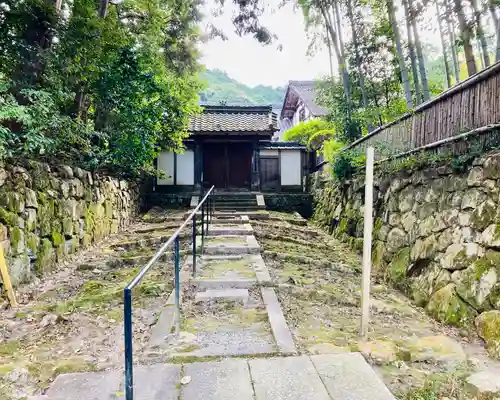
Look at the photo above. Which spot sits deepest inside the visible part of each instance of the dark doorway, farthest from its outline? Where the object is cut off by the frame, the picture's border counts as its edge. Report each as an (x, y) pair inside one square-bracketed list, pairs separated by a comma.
[(227, 165), (269, 174)]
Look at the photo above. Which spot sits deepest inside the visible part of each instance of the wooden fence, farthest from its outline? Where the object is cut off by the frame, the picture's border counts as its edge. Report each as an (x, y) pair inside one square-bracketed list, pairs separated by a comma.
[(467, 106)]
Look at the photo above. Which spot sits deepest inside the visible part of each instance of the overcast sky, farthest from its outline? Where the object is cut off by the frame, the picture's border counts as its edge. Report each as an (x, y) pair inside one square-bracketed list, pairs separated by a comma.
[(251, 63)]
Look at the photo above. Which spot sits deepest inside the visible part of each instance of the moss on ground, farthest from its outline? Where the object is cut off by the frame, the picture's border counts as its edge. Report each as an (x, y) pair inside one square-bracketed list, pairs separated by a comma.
[(323, 310), (10, 347)]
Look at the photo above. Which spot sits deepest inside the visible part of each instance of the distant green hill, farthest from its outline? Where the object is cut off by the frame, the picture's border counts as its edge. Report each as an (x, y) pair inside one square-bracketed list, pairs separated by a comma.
[(222, 88)]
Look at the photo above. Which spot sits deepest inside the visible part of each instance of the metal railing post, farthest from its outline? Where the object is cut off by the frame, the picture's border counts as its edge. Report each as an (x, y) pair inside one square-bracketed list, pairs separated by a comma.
[(213, 208), (177, 286), (194, 245), (208, 213), (127, 325), (202, 227)]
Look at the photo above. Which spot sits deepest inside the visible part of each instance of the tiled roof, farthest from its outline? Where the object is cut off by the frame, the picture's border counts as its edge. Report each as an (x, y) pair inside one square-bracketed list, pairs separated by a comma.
[(234, 119), (282, 145), (306, 91)]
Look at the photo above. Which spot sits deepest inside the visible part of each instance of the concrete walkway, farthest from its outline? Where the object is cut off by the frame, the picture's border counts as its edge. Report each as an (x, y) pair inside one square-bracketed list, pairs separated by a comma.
[(230, 309), (323, 377)]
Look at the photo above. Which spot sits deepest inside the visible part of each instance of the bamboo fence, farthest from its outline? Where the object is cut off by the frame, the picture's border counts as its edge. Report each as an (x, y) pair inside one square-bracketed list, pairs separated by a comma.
[(466, 107)]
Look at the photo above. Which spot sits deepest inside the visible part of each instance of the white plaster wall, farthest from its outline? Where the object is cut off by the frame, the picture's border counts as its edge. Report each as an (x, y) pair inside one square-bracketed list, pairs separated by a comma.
[(185, 168), (290, 167), (266, 152), (166, 164), (296, 115)]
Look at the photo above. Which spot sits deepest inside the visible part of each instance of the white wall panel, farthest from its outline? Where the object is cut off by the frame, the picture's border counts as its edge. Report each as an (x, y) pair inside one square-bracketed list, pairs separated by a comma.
[(266, 152), (185, 168), (166, 164), (290, 168)]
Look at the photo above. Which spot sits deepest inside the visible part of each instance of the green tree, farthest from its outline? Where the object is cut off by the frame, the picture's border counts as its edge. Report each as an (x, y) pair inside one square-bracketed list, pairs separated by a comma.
[(308, 131), (103, 86)]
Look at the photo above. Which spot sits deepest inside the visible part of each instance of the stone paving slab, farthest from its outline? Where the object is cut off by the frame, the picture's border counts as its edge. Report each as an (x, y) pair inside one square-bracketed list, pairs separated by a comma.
[(223, 380), (261, 270), (226, 294), (278, 323), (224, 283), (232, 245), (228, 229), (156, 382), (166, 319), (231, 249), (210, 257), (86, 386), (289, 378), (349, 377), (324, 377), (227, 268), (227, 342)]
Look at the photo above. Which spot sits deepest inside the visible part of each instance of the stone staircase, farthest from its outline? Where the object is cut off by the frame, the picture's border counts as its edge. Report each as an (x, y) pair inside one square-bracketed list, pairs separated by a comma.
[(233, 339), (240, 202)]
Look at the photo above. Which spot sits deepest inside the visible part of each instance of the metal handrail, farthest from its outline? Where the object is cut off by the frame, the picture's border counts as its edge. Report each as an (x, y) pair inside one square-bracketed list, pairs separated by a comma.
[(207, 207)]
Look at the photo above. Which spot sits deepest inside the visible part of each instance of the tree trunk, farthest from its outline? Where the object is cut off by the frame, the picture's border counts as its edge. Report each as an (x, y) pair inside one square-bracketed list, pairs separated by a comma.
[(399, 52), (480, 32), (494, 16), (413, 58), (338, 22), (103, 8), (340, 58), (420, 53), (443, 45), (451, 35), (466, 36), (357, 56), (480, 54), (329, 44)]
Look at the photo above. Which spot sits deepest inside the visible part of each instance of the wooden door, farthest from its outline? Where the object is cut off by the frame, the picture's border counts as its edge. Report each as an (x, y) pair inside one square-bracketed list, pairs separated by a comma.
[(269, 174), (239, 157), (214, 164)]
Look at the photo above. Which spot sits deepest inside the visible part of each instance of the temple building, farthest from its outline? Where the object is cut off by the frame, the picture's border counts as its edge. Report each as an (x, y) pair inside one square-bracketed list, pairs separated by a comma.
[(231, 147)]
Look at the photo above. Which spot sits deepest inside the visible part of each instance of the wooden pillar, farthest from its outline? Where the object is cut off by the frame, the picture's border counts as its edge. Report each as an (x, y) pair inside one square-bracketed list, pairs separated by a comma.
[(255, 178), (226, 165), (198, 165)]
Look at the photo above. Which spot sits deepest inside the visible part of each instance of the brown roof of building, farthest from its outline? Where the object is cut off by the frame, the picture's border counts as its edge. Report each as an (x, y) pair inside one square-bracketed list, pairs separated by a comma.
[(305, 91), (234, 119)]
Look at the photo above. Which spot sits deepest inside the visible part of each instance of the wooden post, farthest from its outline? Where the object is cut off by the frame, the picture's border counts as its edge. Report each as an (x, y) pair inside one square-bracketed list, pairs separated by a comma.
[(6, 280), (367, 242)]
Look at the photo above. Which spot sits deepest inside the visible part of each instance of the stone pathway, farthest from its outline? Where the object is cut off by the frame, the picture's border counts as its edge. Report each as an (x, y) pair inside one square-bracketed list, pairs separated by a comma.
[(229, 309), (321, 377)]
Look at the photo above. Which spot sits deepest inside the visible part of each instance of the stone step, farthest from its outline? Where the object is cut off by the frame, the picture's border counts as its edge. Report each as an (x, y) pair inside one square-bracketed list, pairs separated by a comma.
[(231, 271), (229, 249), (224, 283), (236, 295), (208, 257), (224, 230), (234, 196), (218, 215), (323, 377), (237, 207), (231, 245), (252, 200), (250, 214)]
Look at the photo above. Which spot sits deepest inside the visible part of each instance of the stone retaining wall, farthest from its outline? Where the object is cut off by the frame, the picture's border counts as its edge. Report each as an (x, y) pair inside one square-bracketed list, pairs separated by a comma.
[(436, 236), (48, 212)]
